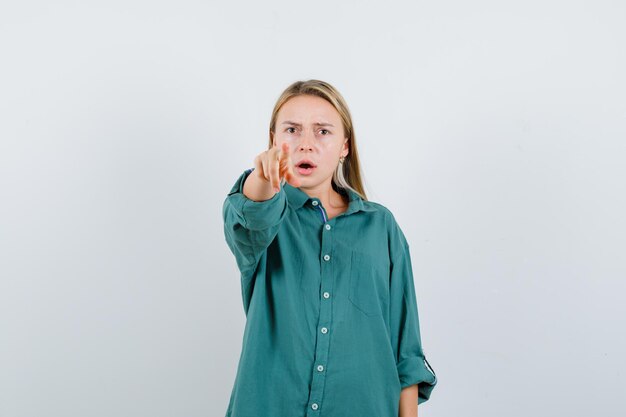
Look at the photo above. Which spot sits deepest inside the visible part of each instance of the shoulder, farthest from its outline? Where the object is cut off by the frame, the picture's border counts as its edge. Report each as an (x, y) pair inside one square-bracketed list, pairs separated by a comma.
[(381, 210), (396, 236)]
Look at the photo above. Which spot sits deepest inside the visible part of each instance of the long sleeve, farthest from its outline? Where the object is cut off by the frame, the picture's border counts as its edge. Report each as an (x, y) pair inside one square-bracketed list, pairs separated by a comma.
[(405, 330), (250, 226)]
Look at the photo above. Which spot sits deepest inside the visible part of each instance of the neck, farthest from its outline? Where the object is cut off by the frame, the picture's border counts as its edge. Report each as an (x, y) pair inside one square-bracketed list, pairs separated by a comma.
[(326, 194)]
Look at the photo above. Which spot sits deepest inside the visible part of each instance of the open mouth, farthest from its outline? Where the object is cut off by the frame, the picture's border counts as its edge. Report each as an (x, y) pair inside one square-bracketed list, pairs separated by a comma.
[(305, 168)]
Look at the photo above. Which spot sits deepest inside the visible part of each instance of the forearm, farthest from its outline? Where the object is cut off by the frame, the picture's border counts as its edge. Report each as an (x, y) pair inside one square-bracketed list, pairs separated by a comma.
[(408, 402)]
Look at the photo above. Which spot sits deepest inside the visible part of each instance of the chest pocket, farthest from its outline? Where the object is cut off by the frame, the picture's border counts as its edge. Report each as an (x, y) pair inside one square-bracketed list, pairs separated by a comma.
[(369, 284)]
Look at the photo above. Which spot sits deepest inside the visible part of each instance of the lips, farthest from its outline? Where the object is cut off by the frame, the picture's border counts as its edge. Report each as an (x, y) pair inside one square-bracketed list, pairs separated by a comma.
[(305, 163), (305, 166)]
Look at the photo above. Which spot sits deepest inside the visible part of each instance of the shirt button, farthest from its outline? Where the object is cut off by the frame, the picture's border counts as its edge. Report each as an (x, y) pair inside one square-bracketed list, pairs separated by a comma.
[(314, 406), (314, 203), (320, 368), (326, 295), (326, 257), (324, 330), (328, 227)]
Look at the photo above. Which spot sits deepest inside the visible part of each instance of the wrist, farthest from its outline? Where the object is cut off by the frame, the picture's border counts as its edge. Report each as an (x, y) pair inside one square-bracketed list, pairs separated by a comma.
[(257, 188)]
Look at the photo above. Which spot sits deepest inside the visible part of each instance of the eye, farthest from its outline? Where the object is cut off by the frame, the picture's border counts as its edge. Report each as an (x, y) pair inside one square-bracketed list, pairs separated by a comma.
[(289, 130), (324, 130)]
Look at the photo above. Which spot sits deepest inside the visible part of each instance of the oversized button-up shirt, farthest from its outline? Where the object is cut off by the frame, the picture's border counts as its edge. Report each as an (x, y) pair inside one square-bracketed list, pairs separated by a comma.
[(332, 325)]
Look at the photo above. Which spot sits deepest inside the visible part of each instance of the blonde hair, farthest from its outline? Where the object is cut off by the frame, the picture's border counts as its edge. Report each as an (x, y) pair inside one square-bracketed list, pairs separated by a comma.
[(347, 175)]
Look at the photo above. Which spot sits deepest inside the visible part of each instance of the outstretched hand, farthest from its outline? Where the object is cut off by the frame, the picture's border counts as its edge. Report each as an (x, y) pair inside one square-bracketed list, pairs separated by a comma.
[(275, 165)]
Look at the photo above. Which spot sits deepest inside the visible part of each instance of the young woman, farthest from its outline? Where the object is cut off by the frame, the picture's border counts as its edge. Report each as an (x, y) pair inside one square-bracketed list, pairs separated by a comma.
[(332, 325)]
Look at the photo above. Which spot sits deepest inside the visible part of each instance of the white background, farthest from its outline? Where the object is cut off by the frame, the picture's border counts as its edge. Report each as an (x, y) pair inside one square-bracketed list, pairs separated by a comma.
[(493, 130)]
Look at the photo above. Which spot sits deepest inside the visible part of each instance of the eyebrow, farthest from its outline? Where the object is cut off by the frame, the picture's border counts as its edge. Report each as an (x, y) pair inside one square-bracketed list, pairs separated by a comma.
[(289, 122)]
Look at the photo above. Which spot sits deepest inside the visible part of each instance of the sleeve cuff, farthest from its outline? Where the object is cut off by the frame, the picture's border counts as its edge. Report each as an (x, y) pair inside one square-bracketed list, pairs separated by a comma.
[(415, 370), (256, 215)]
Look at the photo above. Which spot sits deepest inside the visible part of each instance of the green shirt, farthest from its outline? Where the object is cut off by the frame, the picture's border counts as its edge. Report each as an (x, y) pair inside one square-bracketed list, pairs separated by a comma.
[(332, 326)]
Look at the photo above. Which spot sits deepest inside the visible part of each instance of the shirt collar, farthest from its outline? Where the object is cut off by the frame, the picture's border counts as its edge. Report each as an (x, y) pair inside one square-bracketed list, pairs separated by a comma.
[(298, 198)]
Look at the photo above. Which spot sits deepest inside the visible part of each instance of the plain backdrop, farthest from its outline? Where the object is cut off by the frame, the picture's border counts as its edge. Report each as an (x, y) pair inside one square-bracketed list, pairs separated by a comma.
[(495, 131)]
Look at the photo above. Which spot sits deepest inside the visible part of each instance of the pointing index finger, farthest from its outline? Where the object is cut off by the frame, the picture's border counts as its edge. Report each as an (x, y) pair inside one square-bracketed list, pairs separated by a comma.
[(284, 150)]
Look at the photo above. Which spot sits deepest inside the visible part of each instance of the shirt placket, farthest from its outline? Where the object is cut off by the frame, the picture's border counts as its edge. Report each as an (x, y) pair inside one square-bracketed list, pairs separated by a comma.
[(324, 327)]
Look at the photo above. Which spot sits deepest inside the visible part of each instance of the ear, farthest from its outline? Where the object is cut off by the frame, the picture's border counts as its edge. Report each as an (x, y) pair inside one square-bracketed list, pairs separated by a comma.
[(346, 147)]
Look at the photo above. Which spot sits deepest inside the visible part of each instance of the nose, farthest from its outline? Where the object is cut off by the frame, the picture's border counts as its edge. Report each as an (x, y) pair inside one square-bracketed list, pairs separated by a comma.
[(306, 143)]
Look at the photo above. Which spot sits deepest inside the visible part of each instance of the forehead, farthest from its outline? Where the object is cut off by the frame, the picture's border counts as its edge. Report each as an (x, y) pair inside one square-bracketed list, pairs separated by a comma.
[(308, 109)]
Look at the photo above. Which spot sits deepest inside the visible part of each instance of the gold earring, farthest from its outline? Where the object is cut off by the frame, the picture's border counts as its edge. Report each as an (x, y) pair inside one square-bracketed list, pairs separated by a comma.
[(341, 159)]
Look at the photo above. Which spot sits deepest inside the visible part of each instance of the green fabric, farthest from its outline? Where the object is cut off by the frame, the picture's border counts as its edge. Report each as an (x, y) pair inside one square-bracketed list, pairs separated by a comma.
[(332, 325)]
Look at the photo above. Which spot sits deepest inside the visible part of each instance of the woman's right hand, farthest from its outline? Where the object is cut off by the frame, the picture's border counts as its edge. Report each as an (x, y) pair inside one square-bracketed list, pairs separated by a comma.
[(274, 165)]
